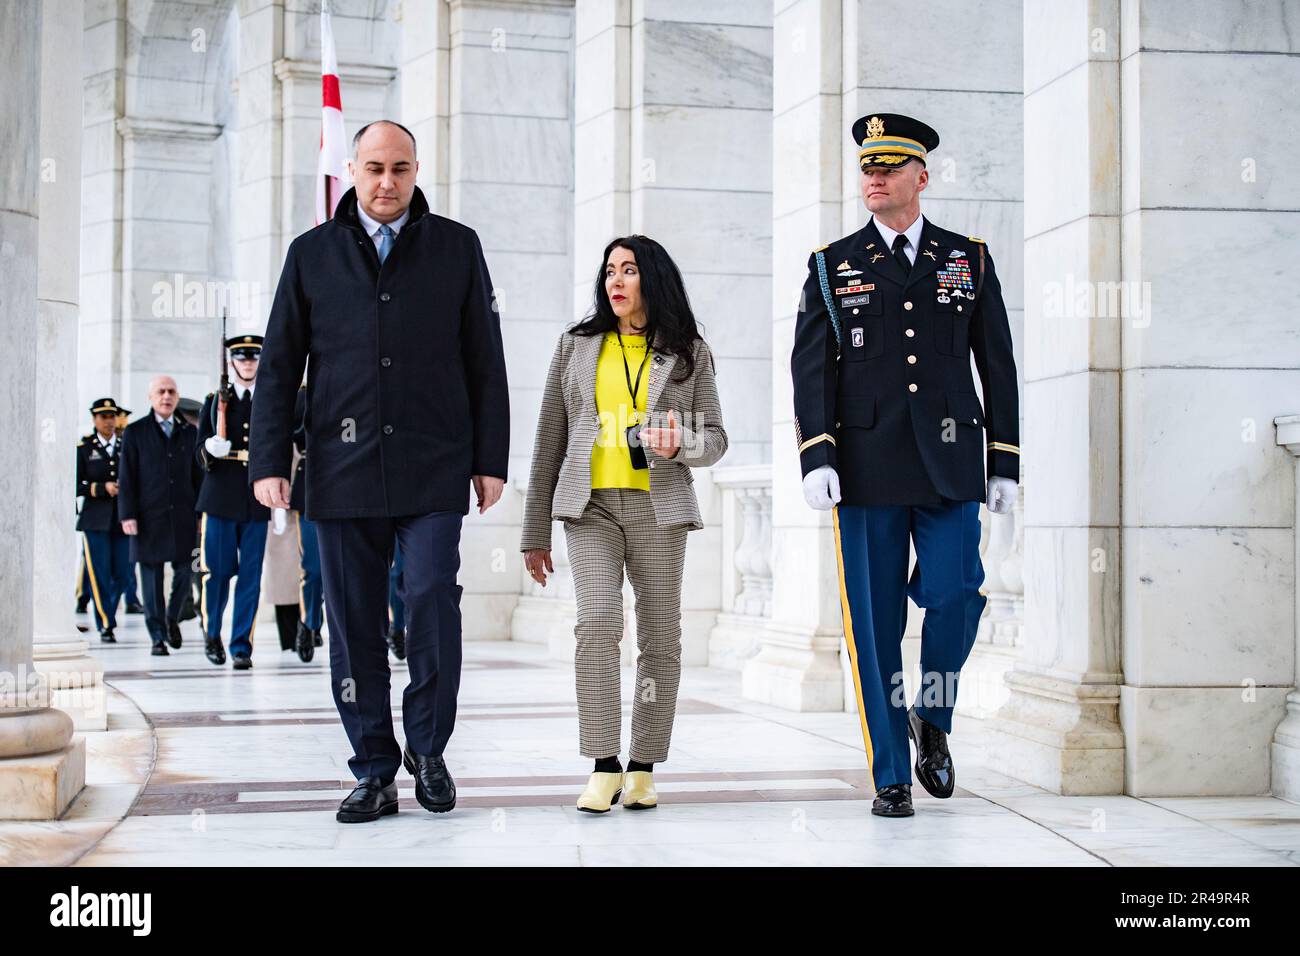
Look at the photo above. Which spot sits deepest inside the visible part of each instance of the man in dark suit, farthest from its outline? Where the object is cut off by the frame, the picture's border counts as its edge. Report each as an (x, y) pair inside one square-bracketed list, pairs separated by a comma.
[(105, 549), (891, 435), (232, 536), (159, 481), (408, 404)]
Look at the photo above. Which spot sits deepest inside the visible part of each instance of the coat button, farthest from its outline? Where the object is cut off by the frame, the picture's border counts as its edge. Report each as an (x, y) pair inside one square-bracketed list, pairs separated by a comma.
[(384, 297), (907, 306), (912, 387), (652, 464), (958, 308), (909, 333), (911, 360), (388, 429), (855, 311), (385, 361)]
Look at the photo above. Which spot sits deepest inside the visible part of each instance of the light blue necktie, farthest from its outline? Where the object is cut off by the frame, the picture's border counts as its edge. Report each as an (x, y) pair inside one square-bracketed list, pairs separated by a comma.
[(167, 427), (385, 242)]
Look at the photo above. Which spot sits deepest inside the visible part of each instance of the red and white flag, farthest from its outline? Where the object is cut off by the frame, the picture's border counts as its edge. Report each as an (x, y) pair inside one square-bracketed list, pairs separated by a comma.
[(332, 166)]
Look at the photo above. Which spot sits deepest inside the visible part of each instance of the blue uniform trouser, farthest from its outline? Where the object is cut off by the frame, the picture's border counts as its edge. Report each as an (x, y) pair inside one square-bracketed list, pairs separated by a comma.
[(356, 555), (231, 549), (108, 560), (132, 593), (396, 606), (311, 595), (872, 549)]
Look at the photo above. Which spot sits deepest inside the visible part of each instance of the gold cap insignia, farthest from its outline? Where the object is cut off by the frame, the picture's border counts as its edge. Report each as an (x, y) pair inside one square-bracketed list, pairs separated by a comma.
[(875, 127)]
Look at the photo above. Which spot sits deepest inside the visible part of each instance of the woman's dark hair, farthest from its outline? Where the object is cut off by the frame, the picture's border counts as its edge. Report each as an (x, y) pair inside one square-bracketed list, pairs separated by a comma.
[(670, 323)]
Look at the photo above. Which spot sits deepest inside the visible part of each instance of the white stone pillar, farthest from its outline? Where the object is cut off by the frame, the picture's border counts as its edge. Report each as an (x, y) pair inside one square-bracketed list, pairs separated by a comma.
[(42, 766), (1059, 728), (1286, 739), (797, 665), (60, 651)]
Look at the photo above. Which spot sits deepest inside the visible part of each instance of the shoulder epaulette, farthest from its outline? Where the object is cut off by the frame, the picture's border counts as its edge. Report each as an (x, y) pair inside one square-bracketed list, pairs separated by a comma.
[(820, 248), (81, 442), (977, 239)]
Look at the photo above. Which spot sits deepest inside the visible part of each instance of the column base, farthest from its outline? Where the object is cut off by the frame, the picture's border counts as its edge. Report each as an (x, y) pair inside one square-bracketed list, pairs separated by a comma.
[(734, 640), (77, 688), (1286, 752), (795, 670), (41, 787), (1061, 735)]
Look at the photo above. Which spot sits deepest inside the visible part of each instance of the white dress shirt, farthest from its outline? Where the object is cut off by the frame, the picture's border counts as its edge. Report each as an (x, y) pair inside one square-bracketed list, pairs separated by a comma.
[(372, 226), (913, 233)]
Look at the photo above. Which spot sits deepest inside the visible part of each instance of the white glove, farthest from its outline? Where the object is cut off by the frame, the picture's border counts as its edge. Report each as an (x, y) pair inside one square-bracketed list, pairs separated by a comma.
[(279, 520), (821, 488), (217, 446), (1001, 497)]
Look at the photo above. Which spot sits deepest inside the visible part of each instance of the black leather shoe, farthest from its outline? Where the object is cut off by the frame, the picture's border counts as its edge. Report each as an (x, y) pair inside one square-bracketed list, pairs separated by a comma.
[(81, 606), (933, 762), (160, 650), (397, 642), (174, 634), (106, 635), (303, 644), (135, 609), (369, 800), (894, 800), (83, 628), (434, 788), (242, 662), (317, 639), (214, 650)]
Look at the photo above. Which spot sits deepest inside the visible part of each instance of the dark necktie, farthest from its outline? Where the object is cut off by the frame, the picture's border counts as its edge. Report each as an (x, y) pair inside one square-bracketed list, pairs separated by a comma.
[(900, 256)]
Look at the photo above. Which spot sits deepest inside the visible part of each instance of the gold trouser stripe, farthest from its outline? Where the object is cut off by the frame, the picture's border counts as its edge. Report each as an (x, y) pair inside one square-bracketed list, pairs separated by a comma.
[(813, 441), (1003, 446), (94, 582), (851, 642)]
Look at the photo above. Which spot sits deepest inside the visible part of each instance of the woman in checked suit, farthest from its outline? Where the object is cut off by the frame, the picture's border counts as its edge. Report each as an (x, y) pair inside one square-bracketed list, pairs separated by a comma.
[(629, 408)]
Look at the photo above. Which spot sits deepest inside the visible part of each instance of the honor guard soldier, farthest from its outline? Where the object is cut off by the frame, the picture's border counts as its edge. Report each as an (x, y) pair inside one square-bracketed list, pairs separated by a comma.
[(105, 549), (893, 438), (232, 534)]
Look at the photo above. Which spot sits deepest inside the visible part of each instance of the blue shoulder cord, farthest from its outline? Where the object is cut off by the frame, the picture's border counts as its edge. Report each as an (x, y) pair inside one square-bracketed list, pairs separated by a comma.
[(830, 304)]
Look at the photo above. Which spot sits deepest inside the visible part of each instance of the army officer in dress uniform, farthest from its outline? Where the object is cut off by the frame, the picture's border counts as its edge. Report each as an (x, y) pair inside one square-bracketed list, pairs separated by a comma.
[(892, 436), (106, 549), (232, 535)]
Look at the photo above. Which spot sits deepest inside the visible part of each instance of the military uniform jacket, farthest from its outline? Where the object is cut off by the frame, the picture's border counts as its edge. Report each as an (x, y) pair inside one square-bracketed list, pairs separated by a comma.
[(892, 405), (95, 468), (407, 393), (226, 492), (158, 483)]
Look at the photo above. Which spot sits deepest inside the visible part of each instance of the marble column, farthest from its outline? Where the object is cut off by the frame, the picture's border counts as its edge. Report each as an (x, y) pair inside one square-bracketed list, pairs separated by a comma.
[(42, 765), (1208, 498), (1286, 739), (1060, 727), (797, 665), (61, 652)]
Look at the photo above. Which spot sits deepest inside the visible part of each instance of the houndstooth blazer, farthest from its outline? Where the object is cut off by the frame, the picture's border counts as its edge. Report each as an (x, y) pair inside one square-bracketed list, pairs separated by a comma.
[(559, 484)]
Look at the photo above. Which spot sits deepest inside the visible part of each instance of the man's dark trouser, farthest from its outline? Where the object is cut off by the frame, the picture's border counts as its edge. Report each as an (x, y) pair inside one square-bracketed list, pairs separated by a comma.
[(158, 610), (356, 554)]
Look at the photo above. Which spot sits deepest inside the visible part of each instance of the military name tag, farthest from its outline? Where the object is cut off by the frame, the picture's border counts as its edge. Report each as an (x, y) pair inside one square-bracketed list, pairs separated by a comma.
[(853, 300), (857, 338)]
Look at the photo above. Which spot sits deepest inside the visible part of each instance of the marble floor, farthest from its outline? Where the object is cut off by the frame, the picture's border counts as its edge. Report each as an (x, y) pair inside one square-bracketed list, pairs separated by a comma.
[(205, 766)]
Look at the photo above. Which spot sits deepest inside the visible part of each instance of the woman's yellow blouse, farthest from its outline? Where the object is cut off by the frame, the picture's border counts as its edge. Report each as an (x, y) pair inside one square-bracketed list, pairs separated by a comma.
[(611, 465)]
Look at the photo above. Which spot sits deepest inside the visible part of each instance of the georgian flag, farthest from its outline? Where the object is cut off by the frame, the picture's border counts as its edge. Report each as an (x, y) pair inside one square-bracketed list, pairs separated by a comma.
[(331, 167)]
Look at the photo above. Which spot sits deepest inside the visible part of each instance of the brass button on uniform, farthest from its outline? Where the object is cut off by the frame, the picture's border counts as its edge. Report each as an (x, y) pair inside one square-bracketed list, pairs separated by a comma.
[(909, 333), (912, 387), (855, 311), (907, 306), (958, 308), (911, 360)]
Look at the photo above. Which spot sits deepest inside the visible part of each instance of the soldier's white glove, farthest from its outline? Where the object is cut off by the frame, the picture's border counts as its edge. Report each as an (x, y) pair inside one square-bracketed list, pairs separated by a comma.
[(1001, 496), (821, 488), (217, 446), (279, 520)]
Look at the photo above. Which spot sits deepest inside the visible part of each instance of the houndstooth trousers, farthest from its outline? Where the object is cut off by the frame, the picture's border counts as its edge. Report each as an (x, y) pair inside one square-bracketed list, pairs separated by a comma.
[(617, 530)]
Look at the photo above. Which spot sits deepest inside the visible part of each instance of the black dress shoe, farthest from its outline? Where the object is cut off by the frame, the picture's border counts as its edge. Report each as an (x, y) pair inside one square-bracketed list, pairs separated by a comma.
[(317, 639), (83, 628), (304, 644), (160, 649), (135, 609), (214, 650), (174, 634), (933, 762), (397, 642), (106, 635), (894, 800), (369, 800), (81, 606), (434, 788), (242, 662)]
